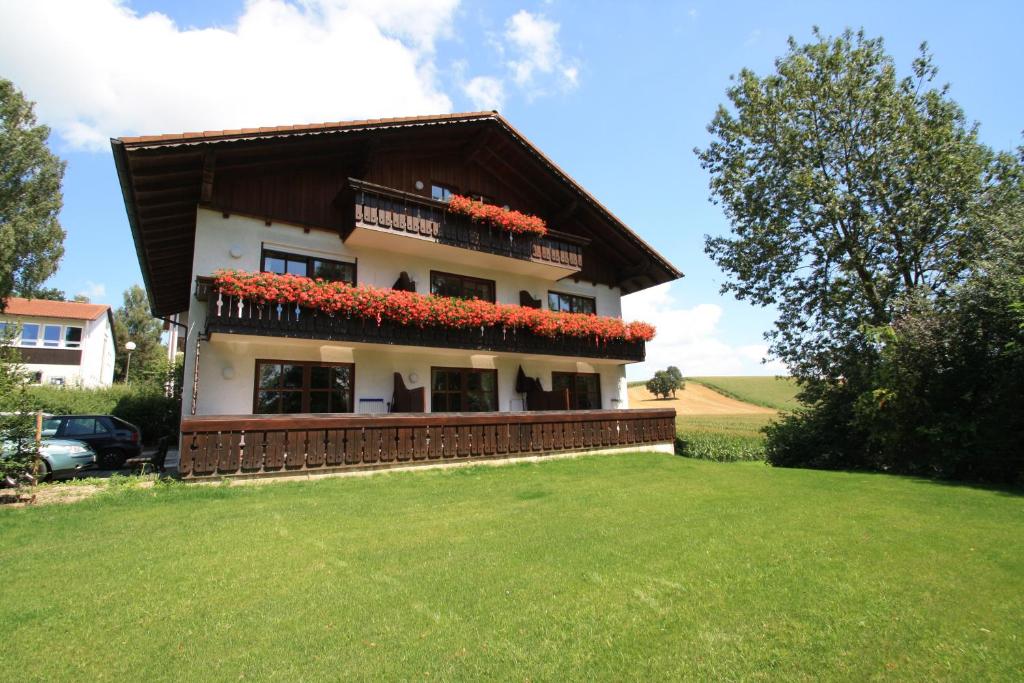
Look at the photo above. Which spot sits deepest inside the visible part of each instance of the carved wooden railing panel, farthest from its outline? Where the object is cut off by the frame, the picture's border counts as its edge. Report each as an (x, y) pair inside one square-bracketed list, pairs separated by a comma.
[(394, 211), (255, 445), (231, 315)]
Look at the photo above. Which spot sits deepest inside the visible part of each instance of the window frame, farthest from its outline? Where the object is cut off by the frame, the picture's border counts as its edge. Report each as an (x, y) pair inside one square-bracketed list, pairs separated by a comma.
[(306, 389), (451, 189), (35, 341), (309, 259), (462, 388), (570, 297), (479, 280), (573, 393), (72, 344)]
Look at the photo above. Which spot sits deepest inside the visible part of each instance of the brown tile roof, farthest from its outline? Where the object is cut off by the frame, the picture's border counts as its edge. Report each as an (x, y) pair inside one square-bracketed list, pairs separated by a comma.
[(304, 128), (45, 308)]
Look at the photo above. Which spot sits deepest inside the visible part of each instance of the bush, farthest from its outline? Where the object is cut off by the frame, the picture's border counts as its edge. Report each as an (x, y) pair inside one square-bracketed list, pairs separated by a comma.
[(146, 407)]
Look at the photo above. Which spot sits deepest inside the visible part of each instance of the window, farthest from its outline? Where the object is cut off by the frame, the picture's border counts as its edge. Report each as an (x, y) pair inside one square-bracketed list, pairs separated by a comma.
[(461, 286), (482, 198), (36, 377), (29, 334), (454, 390), (308, 266), (441, 193), (72, 337), (57, 381), (51, 335), (84, 426), (298, 387), (572, 303), (50, 426), (584, 388)]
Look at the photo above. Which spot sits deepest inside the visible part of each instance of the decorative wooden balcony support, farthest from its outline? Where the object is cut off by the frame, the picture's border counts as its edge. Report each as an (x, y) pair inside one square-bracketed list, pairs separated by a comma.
[(395, 212), (268, 445), (229, 315)]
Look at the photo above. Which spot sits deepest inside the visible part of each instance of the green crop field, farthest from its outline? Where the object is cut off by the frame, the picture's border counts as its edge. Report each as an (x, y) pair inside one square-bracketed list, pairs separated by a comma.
[(627, 567), (770, 392), (725, 438)]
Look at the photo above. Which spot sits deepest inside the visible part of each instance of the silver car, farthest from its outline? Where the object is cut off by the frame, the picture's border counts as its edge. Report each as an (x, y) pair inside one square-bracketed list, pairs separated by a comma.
[(59, 457)]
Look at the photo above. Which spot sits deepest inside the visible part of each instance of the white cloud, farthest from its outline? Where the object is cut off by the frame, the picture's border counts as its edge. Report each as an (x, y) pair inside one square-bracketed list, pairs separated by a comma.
[(533, 39), (93, 290), (689, 338), (486, 92), (97, 69)]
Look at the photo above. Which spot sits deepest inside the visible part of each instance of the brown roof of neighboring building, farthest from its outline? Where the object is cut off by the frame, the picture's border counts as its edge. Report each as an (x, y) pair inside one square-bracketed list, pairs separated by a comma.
[(44, 308)]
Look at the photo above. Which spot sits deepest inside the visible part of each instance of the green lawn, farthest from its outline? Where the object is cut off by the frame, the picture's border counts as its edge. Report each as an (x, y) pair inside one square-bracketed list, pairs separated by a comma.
[(770, 392), (619, 567)]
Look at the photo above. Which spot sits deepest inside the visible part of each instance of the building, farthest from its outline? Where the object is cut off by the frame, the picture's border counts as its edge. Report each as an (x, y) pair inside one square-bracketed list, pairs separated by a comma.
[(370, 204), (63, 343)]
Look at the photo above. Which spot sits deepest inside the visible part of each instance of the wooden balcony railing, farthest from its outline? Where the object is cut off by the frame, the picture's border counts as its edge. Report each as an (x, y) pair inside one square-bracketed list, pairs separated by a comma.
[(393, 211), (264, 445), (230, 315)]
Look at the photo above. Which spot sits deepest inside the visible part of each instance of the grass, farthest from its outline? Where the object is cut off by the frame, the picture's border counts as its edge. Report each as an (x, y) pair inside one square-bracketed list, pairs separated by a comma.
[(616, 567), (723, 438), (770, 392)]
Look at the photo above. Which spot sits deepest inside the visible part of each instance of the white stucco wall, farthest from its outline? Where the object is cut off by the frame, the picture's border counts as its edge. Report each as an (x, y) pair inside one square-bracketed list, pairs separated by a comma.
[(96, 367), (235, 356)]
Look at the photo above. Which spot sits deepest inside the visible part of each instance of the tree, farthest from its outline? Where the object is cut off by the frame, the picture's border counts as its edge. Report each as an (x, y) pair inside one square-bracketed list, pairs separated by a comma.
[(678, 383), (666, 382), (846, 188), (31, 239), (48, 293), (134, 322), (17, 420), (860, 206)]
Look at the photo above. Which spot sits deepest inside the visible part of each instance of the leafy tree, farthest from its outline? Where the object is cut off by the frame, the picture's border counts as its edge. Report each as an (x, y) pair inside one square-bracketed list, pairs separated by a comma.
[(48, 293), (17, 420), (134, 322), (860, 204), (846, 187), (678, 383), (666, 382), (31, 239)]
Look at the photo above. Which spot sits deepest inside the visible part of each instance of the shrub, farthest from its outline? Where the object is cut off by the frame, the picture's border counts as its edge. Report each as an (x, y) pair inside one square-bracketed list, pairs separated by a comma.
[(146, 407)]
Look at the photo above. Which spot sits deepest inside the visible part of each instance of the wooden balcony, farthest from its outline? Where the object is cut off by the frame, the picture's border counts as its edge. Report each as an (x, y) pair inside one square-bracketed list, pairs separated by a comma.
[(402, 222), (229, 315), (272, 445)]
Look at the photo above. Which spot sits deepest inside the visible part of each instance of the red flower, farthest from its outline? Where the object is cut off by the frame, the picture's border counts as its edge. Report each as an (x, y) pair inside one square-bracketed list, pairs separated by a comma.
[(504, 219), (410, 308)]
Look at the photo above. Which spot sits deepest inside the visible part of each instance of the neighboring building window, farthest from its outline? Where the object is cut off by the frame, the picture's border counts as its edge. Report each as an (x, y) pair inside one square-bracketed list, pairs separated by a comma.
[(461, 286), (72, 337), (36, 377), (308, 266), (571, 303), (51, 335), (298, 387), (29, 334), (584, 388), (441, 193), (57, 381), (465, 390)]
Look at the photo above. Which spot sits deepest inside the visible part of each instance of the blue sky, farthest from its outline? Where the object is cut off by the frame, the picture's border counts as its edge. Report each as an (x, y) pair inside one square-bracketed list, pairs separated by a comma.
[(617, 93)]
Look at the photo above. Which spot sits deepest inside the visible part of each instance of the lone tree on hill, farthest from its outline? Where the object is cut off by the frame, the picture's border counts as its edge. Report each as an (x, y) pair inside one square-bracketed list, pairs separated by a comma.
[(31, 239), (666, 382)]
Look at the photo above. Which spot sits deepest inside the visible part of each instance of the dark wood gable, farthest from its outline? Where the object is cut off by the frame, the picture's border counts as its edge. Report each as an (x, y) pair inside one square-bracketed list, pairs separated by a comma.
[(296, 178)]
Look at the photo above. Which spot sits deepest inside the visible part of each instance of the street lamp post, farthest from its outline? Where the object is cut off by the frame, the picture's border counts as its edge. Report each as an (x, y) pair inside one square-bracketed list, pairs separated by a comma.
[(130, 346)]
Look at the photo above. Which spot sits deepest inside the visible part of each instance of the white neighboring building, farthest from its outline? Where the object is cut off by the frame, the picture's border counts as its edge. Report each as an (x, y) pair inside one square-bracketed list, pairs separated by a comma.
[(63, 342)]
